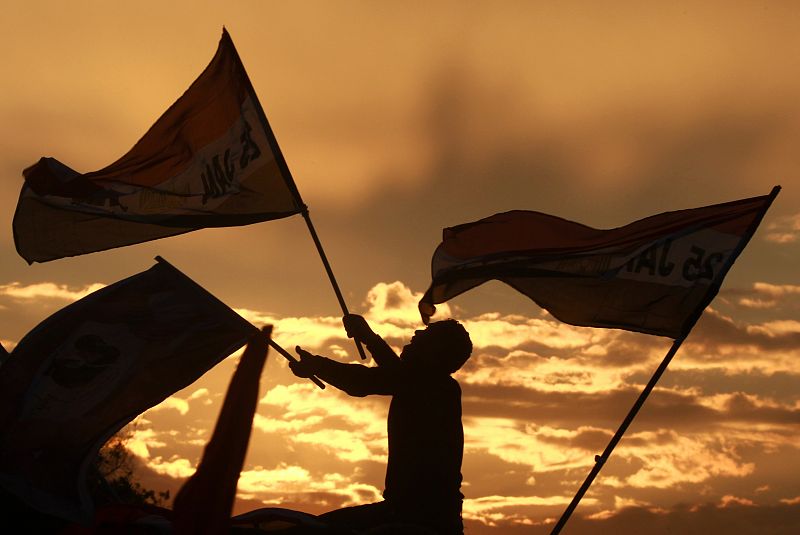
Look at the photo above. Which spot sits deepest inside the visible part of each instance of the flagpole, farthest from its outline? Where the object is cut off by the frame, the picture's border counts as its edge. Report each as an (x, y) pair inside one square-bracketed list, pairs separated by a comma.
[(287, 176), (600, 460), (288, 356)]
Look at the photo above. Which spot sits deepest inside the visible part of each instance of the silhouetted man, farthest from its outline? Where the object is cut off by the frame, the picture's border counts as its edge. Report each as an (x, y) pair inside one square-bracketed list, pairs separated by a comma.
[(426, 439)]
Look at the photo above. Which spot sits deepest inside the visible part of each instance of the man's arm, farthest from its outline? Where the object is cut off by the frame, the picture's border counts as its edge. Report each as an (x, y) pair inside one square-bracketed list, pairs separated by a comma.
[(358, 328), (354, 379)]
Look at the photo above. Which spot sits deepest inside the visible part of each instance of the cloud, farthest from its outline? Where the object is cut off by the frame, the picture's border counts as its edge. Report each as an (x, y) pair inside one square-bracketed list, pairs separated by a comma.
[(656, 460), (776, 290), (619, 504), (784, 230), (284, 478), (394, 304), (492, 510), (286, 483), (343, 444), (199, 393), (588, 438), (172, 402), (777, 328), (141, 441), (529, 446), (512, 332), (174, 467), (179, 404), (684, 459), (706, 381), (314, 332), (543, 374), (273, 425), (330, 491), (715, 334), (47, 290), (728, 501), (764, 295), (352, 431)]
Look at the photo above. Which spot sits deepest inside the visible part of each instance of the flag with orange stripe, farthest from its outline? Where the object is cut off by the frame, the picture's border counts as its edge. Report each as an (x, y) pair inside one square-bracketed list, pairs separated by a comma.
[(210, 160)]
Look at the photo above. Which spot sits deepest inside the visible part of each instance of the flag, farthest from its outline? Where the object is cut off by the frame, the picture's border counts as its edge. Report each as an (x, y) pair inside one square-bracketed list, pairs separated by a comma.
[(654, 276), (204, 503), (210, 160), (89, 369)]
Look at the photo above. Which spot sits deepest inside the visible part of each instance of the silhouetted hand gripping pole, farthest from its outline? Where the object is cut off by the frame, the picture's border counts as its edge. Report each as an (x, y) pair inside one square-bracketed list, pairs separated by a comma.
[(287, 176), (328, 269), (291, 358)]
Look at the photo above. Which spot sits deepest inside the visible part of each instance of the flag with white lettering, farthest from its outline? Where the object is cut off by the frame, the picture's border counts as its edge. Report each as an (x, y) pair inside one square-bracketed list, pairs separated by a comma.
[(90, 368), (210, 160), (654, 276)]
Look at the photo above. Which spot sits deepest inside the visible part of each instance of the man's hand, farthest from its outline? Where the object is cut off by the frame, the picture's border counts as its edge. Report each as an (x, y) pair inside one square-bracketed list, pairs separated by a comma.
[(305, 366), (357, 327)]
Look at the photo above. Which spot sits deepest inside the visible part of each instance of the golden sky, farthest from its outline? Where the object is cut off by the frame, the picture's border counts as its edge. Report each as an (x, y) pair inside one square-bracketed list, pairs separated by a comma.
[(399, 119)]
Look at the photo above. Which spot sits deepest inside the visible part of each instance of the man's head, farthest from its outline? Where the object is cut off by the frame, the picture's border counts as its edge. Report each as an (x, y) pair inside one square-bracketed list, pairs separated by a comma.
[(444, 346)]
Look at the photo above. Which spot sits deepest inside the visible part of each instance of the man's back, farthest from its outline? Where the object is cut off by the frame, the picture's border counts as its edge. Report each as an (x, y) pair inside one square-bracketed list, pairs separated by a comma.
[(426, 444)]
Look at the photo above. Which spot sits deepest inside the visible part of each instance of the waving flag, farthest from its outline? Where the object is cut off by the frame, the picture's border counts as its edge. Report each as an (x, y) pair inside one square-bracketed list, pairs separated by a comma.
[(655, 275), (89, 369), (210, 160)]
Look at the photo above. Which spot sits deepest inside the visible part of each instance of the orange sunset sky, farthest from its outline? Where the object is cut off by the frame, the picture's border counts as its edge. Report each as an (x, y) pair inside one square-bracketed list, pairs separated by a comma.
[(398, 119)]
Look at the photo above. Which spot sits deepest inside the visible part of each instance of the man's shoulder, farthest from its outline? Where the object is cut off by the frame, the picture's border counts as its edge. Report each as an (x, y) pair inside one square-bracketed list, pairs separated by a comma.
[(447, 386), (453, 384)]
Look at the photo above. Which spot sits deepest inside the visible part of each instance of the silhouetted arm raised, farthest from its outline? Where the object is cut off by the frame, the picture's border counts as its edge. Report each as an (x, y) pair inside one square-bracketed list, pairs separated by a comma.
[(358, 328), (355, 379)]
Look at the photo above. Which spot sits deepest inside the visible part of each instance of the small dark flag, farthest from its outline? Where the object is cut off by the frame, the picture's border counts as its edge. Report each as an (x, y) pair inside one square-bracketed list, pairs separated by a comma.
[(90, 368), (209, 161), (655, 275)]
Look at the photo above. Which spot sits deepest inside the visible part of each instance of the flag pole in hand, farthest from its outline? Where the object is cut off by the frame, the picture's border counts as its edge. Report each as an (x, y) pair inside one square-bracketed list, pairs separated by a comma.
[(287, 176)]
